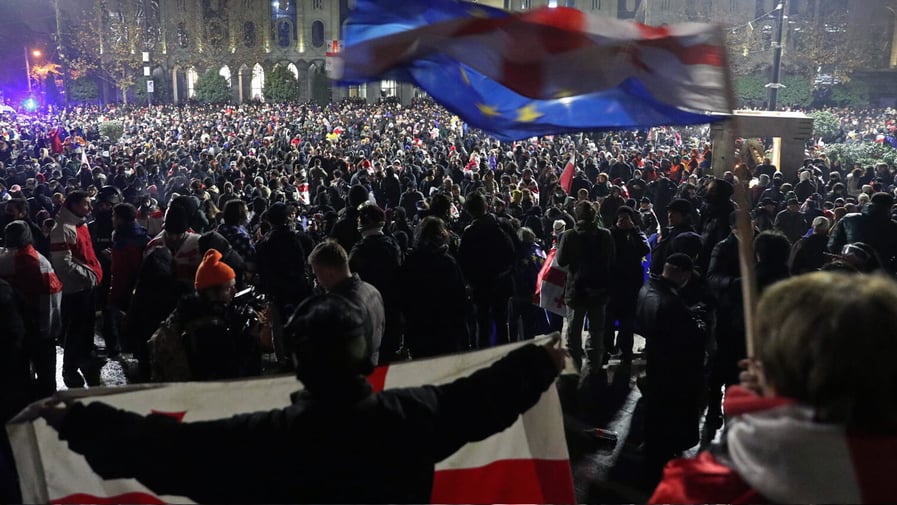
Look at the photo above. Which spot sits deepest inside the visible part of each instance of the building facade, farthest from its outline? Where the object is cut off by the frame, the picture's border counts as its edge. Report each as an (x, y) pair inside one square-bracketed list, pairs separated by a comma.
[(244, 40)]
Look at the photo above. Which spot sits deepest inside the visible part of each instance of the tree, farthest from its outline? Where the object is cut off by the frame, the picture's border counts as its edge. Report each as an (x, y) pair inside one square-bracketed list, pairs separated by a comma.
[(82, 89), (320, 88), (40, 72), (211, 87), (825, 125), (108, 39), (281, 85), (850, 94), (750, 89), (798, 92), (161, 90)]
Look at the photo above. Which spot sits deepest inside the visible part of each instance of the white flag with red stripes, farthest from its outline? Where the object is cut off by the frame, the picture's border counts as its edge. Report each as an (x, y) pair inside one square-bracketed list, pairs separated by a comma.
[(302, 189), (550, 285), (526, 463)]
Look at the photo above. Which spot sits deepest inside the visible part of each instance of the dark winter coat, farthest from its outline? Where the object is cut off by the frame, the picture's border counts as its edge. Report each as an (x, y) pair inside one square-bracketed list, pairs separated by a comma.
[(343, 446), (675, 372), (369, 299), (808, 254), (14, 372), (281, 266), (376, 259), (872, 226), (792, 224), (676, 239), (434, 302), (128, 244), (588, 251), (486, 254), (345, 231), (627, 274)]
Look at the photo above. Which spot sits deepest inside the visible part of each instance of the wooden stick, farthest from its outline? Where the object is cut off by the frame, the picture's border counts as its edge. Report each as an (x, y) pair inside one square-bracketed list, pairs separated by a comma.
[(746, 264), (745, 232)]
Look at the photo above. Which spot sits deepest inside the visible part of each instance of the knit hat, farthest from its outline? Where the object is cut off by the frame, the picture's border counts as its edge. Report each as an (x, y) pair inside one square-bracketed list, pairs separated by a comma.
[(176, 220), (212, 272), (18, 234)]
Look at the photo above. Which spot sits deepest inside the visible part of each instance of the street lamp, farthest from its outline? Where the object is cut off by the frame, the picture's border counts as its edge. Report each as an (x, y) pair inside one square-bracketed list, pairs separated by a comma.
[(36, 53)]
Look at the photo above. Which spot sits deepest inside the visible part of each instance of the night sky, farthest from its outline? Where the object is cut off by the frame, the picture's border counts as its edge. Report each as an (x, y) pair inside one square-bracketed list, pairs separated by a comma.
[(23, 23)]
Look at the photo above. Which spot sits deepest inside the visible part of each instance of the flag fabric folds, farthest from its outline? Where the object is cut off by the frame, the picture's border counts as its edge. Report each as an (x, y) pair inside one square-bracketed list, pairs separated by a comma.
[(526, 463), (550, 286), (566, 180), (539, 72)]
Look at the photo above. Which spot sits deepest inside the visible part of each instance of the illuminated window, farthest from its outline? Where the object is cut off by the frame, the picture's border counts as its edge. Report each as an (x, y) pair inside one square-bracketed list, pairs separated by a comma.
[(388, 88), (225, 72), (258, 82), (192, 77)]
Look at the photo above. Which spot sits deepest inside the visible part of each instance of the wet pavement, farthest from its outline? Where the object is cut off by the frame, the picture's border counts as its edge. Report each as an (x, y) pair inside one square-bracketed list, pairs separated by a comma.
[(603, 472)]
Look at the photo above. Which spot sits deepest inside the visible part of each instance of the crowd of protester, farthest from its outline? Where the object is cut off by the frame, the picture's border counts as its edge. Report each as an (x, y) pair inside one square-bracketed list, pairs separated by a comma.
[(435, 232)]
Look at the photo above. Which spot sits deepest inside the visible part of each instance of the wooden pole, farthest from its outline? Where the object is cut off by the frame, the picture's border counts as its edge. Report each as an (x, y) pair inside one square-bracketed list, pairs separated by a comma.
[(745, 231)]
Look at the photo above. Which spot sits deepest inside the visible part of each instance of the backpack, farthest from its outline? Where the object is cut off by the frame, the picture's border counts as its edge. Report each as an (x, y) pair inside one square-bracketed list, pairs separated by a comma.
[(168, 353)]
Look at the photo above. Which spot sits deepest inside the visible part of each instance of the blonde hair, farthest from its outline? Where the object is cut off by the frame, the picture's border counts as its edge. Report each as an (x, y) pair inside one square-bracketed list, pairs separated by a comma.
[(828, 340)]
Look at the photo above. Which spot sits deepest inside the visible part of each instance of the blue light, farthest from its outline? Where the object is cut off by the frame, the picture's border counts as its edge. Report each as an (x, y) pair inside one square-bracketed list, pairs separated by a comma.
[(30, 104)]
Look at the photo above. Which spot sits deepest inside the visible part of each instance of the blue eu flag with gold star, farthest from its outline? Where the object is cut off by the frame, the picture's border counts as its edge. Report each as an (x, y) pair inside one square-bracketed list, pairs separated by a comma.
[(519, 75)]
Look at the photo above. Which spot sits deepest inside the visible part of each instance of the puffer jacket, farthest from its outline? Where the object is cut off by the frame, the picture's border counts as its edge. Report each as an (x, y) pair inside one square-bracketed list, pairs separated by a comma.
[(72, 254)]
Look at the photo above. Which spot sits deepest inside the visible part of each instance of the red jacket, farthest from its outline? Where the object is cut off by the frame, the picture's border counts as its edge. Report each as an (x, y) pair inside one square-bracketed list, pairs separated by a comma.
[(775, 451)]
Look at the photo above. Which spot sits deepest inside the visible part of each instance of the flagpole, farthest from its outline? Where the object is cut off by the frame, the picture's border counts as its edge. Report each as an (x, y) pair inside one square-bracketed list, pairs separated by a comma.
[(745, 230)]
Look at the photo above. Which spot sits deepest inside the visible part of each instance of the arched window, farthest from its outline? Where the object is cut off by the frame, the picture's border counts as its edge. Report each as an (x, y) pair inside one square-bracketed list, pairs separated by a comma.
[(293, 70), (258, 82), (225, 72), (183, 35), (192, 77), (283, 34), (317, 34), (249, 34)]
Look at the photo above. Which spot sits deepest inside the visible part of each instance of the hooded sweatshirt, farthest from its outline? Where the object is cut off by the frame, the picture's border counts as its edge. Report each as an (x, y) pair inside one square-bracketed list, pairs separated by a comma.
[(775, 451)]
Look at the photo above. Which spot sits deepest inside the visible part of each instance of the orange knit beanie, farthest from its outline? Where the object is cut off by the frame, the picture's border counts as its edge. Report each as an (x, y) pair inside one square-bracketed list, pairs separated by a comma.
[(212, 272)]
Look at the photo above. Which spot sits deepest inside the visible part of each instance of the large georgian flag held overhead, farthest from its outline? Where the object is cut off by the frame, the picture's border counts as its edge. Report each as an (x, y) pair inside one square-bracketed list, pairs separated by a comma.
[(540, 72), (526, 463)]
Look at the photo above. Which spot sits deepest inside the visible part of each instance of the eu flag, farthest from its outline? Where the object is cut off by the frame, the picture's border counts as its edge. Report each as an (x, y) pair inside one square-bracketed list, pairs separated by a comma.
[(548, 71)]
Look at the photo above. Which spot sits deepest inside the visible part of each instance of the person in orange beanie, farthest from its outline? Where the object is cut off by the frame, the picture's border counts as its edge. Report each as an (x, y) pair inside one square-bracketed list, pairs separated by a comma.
[(215, 278), (207, 337)]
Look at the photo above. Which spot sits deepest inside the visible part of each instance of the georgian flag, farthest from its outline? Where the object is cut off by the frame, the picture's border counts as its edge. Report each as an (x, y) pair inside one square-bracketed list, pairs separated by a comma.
[(526, 463), (543, 71), (550, 285), (302, 188)]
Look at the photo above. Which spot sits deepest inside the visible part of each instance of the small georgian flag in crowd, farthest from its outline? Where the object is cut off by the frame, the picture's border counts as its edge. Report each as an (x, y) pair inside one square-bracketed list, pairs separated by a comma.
[(526, 463), (302, 188)]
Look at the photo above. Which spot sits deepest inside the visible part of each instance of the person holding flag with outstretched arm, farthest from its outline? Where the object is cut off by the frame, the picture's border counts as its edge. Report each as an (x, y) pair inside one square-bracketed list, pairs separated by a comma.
[(337, 443)]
